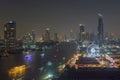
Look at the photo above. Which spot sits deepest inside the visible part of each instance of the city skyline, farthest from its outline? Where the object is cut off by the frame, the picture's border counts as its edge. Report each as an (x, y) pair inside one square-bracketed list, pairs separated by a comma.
[(59, 15)]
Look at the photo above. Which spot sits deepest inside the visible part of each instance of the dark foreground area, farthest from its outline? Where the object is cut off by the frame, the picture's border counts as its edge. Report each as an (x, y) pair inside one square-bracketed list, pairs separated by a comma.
[(90, 74)]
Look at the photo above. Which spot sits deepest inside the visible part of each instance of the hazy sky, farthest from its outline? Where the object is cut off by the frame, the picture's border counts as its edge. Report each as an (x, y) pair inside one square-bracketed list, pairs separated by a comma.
[(59, 15)]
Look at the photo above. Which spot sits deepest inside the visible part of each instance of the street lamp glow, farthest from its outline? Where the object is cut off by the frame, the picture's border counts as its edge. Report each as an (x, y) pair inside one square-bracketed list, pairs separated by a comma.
[(48, 76)]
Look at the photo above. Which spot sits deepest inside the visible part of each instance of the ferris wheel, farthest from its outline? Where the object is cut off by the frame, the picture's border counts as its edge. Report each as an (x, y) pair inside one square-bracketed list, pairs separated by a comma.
[(93, 50)]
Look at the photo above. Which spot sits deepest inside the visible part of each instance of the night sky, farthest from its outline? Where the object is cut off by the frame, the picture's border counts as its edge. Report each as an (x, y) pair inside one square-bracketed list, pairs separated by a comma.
[(59, 15)]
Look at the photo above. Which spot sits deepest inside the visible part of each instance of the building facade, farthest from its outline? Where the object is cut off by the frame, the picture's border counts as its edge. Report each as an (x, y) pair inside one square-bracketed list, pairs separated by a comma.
[(47, 35), (10, 35), (82, 33), (100, 30)]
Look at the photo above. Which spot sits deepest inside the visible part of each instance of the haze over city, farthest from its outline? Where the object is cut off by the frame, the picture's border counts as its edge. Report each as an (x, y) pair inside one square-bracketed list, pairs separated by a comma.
[(59, 15), (59, 40)]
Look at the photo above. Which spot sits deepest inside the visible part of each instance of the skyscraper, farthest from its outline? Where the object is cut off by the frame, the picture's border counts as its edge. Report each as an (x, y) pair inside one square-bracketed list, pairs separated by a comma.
[(92, 37), (56, 37), (33, 36), (71, 34), (10, 35), (87, 37), (47, 35), (82, 33), (100, 29)]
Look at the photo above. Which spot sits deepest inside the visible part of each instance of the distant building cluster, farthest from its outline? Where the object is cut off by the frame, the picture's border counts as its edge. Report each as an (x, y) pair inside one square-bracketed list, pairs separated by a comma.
[(10, 43), (101, 37), (84, 38), (92, 37)]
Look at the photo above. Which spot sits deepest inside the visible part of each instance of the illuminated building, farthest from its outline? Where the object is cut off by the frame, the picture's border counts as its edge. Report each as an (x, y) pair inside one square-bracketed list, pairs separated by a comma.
[(28, 42), (87, 37), (87, 62), (65, 37), (92, 37), (82, 33), (100, 29), (40, 39), (1, 46), (56, 37), (106, 38), (10, 35), (47, 35), (33, 35), (71, 34)]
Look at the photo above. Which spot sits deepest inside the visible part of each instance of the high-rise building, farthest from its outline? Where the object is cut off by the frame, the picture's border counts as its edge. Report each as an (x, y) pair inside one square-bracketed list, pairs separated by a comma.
[(81, 33), (10, 35), (27, 41), (92, 37), (87, 37), (56, 37), (100, 30), (47, 35), (71, 34), (33, 35)]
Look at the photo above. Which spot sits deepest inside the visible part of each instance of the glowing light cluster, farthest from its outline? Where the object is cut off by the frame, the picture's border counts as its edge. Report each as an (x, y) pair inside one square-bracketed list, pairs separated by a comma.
[(48, 76), (49, 63), (93, 50), (17, 71), (10, 21), (28, 57)]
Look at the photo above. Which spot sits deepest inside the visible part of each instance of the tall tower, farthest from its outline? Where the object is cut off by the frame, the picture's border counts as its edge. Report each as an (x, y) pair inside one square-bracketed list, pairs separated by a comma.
[(55, 36), (100, 29), (71, 34), (82, 33), (47, 35), (10, 35), (33, 35)]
